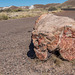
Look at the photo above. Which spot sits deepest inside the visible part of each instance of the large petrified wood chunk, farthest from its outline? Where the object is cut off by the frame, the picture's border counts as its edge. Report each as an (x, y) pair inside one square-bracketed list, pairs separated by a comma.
[(52, 32)]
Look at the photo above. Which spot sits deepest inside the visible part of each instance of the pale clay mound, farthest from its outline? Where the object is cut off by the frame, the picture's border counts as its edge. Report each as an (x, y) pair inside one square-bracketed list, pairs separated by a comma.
[(52, 32)]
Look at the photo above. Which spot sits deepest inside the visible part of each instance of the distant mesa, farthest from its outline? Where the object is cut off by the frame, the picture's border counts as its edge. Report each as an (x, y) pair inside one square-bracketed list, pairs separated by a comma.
[(46, 6), (67, 4), (11, 7)]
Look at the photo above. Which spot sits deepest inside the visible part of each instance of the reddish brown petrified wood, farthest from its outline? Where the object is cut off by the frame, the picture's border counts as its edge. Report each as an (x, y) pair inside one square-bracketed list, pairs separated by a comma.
[(52, 32)]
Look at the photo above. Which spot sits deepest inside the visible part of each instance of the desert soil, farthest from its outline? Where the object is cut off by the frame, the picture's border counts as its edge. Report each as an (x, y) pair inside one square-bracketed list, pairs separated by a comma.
[(16, 51), (70, 14)]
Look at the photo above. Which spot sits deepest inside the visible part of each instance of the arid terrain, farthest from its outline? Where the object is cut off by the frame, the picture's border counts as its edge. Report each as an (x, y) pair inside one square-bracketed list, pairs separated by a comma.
[(16, 50), (70, 14)]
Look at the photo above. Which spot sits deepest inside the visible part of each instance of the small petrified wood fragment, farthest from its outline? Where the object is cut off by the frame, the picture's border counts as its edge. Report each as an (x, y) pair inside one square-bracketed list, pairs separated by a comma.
[(52, 32)]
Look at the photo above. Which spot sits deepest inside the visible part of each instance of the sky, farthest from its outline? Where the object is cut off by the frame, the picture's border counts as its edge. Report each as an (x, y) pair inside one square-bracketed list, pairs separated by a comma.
[(4, 3)]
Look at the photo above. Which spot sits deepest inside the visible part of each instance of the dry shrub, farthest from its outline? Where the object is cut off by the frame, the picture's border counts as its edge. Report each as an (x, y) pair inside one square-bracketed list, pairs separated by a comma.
[(3, 17)]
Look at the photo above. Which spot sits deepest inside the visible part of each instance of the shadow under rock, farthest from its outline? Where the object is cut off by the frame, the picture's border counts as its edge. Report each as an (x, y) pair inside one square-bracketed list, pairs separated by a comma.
[(31, 52)]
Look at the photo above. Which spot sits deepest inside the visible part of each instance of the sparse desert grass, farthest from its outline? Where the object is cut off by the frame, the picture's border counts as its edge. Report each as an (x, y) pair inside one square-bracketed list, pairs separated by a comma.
[(59, 10), (57, 61), (3, 16), (21, 14), (73, 62)]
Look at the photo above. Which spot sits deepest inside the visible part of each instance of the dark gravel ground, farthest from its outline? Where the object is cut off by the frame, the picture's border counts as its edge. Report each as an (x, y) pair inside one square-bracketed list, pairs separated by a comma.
[(70, 14), (16, 52)]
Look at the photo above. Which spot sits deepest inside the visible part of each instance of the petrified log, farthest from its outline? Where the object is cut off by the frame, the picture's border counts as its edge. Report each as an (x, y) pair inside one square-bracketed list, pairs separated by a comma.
[(54, 32)]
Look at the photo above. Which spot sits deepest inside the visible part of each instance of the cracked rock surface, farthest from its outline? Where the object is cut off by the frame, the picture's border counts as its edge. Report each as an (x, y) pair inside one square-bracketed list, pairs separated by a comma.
[(53, 32)]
